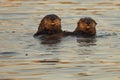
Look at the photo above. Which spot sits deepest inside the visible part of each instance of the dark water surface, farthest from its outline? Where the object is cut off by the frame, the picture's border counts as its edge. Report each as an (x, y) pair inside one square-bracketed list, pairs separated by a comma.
[(23, 57)]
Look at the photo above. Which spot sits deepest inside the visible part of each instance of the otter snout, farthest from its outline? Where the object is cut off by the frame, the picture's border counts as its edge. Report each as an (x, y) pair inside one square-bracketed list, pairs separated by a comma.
[(88, 27)]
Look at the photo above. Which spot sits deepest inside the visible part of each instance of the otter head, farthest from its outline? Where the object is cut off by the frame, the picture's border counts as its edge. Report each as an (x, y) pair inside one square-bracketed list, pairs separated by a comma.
[(50, 24), (86, 26)]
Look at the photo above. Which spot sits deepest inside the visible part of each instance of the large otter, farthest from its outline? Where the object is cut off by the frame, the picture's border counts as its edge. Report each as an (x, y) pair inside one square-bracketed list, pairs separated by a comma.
[(85, 27), (50, 24)]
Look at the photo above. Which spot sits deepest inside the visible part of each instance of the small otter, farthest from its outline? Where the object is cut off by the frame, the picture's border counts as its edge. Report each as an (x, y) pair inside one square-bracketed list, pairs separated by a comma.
[(50, 24), (85, 27), (50, 30)]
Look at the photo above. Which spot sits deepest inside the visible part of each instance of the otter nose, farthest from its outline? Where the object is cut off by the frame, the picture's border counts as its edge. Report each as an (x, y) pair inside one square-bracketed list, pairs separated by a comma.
[(52, 23), (88, 27)]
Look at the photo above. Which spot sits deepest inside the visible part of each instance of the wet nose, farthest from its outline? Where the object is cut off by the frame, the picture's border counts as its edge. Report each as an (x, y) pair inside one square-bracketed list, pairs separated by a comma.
[(88, 27), (52, 23)]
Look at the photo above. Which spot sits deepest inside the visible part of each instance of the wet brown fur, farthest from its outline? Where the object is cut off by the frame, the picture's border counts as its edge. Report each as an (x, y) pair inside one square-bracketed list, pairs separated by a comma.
[(86, 27), (50, 24)]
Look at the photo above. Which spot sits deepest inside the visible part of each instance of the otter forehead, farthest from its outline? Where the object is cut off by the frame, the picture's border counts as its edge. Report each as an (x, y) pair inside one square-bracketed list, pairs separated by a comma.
[(52, 17), (87, 20)]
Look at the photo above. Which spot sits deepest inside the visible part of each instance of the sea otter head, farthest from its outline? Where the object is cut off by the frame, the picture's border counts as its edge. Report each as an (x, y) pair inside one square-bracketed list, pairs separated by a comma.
[(86, 26), (50, 24)]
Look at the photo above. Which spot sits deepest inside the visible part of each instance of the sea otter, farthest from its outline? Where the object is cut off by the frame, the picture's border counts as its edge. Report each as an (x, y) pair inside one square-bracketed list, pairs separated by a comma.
[(85, 27), (50, 24)]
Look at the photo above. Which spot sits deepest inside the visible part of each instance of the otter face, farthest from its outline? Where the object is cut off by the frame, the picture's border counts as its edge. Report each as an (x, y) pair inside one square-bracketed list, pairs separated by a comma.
[(86, 26), (50, 24)]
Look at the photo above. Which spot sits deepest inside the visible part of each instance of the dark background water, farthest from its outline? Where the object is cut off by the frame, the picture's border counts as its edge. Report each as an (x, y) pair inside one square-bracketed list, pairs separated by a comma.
[(23, 57)]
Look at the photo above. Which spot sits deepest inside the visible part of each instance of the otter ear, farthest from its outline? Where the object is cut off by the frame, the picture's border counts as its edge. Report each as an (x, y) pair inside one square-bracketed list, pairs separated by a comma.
[(42, 20), (59, 19), (81, 19), (78, 22), (95, 23)]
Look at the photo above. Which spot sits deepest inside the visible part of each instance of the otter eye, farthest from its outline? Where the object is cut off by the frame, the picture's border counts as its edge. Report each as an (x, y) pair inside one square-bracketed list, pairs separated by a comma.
[(91, 24)]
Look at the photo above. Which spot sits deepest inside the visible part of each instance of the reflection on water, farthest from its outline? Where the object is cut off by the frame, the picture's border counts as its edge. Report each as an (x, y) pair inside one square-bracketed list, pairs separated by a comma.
[(23, 57), (50, 39), (86, 41)]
